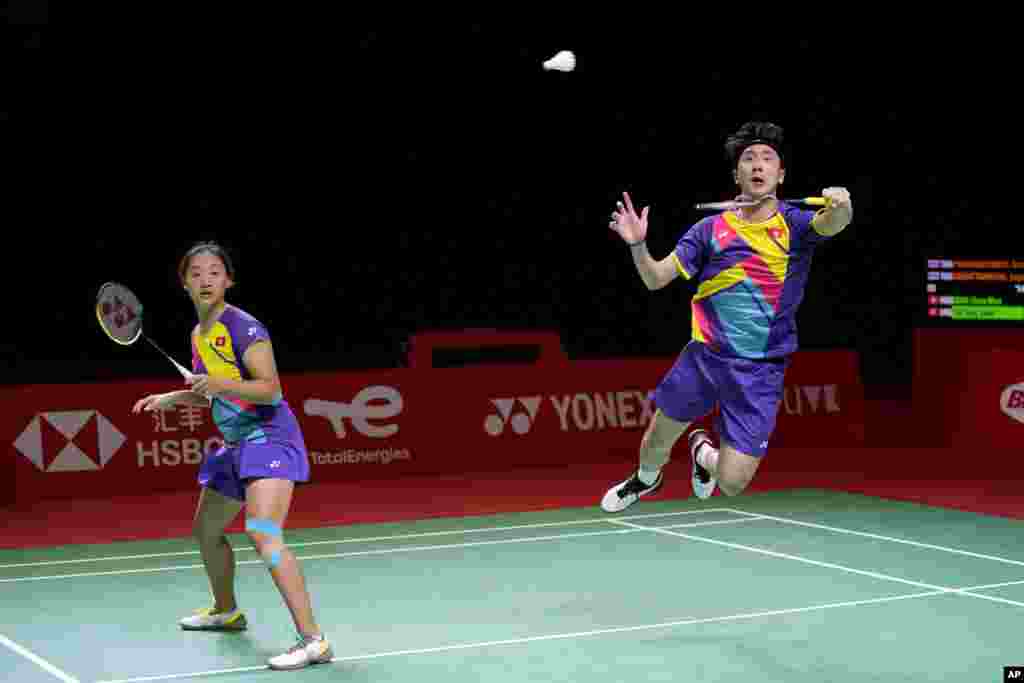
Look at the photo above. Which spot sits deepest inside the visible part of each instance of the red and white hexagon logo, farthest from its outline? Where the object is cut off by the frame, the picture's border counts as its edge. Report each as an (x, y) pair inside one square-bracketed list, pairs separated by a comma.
[(69, 441)]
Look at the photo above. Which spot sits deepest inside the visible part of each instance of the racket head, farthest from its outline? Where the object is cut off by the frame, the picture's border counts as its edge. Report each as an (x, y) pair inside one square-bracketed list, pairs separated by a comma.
[(119, 313)]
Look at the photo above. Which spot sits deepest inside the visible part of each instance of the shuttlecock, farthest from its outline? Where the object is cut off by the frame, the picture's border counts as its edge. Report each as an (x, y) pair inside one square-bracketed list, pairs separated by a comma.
[(563, 61)]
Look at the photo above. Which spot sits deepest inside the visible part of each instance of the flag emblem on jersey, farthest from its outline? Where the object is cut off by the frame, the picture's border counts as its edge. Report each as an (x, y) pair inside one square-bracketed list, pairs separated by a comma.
[(220, 341)]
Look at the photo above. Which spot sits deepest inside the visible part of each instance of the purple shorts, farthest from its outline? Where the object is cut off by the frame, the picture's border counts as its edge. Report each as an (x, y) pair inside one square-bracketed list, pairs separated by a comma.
[(748, 393), (229, 468)]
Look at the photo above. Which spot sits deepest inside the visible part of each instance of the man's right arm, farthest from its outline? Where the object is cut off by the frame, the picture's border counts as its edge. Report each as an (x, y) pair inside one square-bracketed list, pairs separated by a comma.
[(655, 274)]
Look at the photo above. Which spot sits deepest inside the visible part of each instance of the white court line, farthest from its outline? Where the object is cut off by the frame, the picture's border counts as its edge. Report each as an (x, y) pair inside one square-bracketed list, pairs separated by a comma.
[(827, 565), (368, 539), (577, 634), (36, 659), (379, 551), (865, 534)]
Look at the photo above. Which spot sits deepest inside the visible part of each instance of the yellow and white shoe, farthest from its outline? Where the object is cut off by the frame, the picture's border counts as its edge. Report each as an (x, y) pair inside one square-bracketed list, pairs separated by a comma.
[(208, 620), (309, 650)]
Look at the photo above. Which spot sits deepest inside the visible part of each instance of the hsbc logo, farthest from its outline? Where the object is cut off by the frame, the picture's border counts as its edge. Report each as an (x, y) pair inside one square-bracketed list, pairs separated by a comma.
[(1012, 401), (69, 441), (521, 421)]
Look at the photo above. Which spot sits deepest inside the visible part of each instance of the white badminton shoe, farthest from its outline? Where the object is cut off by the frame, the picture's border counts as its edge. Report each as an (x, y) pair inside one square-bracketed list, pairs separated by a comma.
[(207, 620), (621, 496), (703, 483), (309, 650)]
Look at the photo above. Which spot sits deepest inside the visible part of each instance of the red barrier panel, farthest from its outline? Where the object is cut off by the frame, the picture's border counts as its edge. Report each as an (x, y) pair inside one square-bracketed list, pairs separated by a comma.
[(82, 440), (423, 345), (991, 408), (949, 365), (7, 494)]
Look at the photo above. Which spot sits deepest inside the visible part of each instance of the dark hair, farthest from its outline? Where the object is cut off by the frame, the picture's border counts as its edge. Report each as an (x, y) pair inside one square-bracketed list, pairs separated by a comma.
[(754, 133), (212, 248)]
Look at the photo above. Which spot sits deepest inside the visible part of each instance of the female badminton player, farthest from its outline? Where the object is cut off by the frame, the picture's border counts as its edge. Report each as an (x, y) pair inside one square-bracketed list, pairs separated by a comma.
[(264, 453), (752, 264)]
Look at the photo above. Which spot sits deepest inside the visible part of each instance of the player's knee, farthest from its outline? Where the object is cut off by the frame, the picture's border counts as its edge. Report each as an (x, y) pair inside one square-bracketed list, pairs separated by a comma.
[(207, 534), (734, 485), (267, 538)]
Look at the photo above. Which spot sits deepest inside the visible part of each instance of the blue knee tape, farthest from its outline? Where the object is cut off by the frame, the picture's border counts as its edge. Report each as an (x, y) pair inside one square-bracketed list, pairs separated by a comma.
[(268, 528), (263, 526)]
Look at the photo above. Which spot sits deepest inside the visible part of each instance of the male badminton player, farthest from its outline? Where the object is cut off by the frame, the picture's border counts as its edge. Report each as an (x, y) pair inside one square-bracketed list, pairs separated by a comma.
[(751, 265), (264, 454)]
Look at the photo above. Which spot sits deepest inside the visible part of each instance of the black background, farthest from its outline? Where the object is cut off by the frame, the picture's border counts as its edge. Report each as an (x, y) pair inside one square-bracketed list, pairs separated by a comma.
[(377, 178)]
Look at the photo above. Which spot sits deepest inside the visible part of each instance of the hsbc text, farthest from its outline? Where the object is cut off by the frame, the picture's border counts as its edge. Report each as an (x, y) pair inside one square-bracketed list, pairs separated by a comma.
[(173, 452)]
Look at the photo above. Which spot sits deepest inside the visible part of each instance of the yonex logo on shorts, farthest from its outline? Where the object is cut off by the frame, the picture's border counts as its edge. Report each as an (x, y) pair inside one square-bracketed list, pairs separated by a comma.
[(521, 422), (1012, 401), (69, 441)]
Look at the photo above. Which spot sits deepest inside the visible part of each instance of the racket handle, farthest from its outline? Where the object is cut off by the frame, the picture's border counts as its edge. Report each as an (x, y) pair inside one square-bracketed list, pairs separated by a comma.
[(723, 206), (739, 204), (184, 373)]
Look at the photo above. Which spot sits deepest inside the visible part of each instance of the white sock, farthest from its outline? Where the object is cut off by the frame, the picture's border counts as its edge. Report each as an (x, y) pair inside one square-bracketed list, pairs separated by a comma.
[(648, 476), (707, 457)]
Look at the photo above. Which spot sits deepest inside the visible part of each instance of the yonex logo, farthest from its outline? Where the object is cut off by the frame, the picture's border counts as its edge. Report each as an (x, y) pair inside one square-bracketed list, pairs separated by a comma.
[(1012, 401), (521, 422), (69, 441), (252, 331), (275, 464), (119, 313)]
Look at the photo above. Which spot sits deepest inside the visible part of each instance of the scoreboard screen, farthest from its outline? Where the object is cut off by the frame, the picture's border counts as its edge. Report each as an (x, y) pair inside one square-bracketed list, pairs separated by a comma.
[(973, 292)]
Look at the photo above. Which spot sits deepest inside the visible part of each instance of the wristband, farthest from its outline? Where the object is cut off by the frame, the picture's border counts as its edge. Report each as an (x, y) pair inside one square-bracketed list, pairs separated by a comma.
[(636, 244)]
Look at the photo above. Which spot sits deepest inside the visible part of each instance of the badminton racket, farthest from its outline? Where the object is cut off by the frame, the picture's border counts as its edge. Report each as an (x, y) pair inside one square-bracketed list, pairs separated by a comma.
[(119, 312), (746, 203)]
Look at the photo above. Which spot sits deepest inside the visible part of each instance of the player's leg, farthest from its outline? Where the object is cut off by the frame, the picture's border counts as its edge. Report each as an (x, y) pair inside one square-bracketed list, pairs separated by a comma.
[(268, 501), (214, 513), (655, 451), (702, 449), (735, 470), (683, 395), (745, 422)]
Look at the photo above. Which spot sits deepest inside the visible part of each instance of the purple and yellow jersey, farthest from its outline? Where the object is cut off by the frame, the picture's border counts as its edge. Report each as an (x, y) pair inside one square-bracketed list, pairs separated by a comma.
[(752, 278), (220, 353)]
